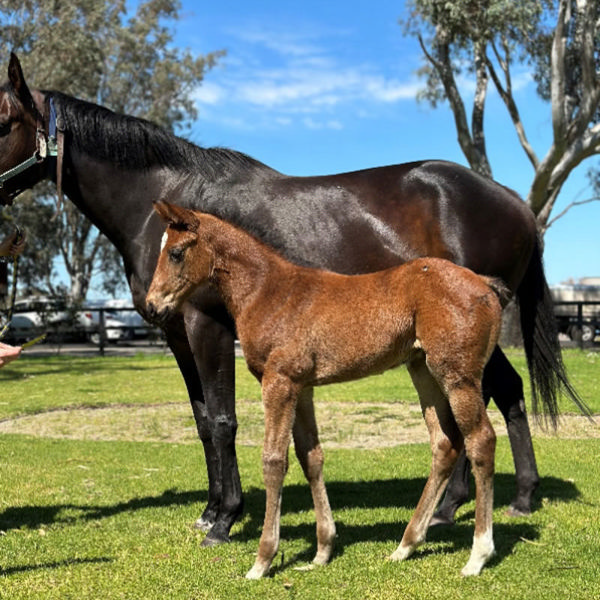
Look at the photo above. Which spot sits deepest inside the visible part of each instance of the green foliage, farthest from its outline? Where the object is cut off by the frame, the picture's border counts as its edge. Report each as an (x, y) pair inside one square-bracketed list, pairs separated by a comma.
[(462, 25), (558, 41), (98, 51)]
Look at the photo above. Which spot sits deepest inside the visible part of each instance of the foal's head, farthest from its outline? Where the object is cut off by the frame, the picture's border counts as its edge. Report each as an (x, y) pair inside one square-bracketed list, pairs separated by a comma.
[(183, 264)]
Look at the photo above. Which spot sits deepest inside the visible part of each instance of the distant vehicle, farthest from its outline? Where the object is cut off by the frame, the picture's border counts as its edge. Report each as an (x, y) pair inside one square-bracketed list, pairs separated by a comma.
[(40, 314), (136, 327), (115, 329), (585, 290)]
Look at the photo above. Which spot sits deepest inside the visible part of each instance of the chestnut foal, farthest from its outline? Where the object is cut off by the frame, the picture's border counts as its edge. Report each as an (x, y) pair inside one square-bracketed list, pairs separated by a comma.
[(301, 327)]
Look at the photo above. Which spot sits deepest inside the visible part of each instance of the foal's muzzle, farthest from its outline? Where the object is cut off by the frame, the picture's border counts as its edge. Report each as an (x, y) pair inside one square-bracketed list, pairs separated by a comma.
[(158, 316)]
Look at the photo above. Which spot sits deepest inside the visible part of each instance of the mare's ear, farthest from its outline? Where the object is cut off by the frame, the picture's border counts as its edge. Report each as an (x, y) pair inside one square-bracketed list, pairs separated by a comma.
[(17, 80), (177, 216)]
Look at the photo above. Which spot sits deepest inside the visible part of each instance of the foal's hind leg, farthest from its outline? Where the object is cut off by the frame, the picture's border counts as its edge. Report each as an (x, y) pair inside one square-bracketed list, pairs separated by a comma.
[(480, 444), (446, 443), (309, 453)]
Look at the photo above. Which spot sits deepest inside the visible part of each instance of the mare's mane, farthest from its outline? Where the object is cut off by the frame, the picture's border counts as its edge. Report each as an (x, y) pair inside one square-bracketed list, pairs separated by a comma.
[(134, 143)]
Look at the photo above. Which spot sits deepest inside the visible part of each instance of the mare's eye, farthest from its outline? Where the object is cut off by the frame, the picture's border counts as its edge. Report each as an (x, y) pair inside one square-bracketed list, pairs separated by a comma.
[(176, 254), (4, 128)]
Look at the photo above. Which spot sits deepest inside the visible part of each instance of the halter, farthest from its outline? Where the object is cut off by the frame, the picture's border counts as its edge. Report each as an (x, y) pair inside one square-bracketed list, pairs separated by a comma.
[(48, 145), (51, 145)]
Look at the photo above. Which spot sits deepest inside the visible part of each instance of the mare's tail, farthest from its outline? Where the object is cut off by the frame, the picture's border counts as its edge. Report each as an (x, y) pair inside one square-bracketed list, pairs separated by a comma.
[(540, 337)]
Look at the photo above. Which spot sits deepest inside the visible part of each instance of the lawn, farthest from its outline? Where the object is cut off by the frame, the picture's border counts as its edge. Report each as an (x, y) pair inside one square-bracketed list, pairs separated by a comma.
[(84, 518)]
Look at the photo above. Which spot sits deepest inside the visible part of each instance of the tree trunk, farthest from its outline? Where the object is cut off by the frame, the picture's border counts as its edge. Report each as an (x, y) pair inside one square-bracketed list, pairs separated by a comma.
[(511, 326)]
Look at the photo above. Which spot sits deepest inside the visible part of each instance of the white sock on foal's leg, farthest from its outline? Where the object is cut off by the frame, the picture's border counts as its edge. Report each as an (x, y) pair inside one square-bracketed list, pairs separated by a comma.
[(482, 551)]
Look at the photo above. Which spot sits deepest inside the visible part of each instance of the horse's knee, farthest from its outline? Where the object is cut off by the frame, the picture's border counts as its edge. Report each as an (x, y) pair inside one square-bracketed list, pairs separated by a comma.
[(445, 454), (481, 448)]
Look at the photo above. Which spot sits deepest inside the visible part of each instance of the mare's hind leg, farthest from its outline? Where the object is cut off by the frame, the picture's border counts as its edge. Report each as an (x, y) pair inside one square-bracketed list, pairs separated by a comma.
[(446, 444), (501, 381), (506, 387), (310, 454)]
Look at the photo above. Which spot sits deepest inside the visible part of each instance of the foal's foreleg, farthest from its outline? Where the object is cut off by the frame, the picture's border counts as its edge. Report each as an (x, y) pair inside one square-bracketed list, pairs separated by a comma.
[(279, 399), (310, 454)]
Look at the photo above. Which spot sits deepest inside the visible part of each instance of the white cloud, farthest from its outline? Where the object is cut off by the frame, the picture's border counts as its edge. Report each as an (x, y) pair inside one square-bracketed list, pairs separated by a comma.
[(209, 93), (289, 73)]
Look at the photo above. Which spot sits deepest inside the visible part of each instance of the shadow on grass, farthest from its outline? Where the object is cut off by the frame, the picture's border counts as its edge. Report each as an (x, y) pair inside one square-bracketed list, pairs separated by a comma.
[(388, 493), (52, 565), (398, 493), (34, 517), (344, 495)]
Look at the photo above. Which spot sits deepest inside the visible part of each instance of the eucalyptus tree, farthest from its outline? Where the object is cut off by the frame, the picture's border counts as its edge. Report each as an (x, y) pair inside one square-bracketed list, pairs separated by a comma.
[(558, 41), (100, 51)]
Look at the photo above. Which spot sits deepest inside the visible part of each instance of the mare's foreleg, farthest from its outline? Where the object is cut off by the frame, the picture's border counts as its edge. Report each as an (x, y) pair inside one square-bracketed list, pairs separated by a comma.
[(446, 444), (310, 455), (185, 360), (279, 399), (212, 344)]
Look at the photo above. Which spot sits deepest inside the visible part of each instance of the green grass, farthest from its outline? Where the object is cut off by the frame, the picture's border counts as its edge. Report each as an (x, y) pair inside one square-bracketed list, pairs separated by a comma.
[(31, 385), (110, 520)]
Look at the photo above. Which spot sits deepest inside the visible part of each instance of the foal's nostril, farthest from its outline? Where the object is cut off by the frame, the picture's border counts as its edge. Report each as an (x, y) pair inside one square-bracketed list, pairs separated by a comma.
[(152, 312)]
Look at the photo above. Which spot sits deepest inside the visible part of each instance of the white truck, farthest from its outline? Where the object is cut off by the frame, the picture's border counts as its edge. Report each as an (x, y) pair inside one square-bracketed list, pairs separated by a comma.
[(577, 309)]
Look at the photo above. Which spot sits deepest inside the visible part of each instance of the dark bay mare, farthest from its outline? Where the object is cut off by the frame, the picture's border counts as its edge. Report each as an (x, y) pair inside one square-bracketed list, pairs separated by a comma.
[(112, 166)]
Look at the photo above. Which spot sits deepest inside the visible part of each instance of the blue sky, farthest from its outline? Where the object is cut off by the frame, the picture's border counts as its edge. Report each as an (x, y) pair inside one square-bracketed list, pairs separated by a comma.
[(323, 87)]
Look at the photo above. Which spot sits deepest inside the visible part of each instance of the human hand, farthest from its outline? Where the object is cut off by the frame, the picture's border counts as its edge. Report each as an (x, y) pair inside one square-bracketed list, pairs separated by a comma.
[(8, 353), (14, 244)]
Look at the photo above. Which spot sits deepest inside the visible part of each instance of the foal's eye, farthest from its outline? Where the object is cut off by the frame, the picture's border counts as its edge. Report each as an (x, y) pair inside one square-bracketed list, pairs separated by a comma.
[(176, 254)]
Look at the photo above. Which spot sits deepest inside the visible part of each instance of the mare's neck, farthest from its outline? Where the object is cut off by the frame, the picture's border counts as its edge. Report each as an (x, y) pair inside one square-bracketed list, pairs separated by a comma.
[(242, 267)]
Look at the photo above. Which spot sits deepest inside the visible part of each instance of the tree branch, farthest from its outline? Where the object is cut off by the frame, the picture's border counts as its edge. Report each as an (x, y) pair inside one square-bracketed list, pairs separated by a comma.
[(509, 101), (557, 84), (569, 207)]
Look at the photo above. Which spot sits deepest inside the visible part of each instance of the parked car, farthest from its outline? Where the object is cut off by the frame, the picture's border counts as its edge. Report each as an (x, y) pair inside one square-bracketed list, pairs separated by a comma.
[(136, 326), (35, 315), (114, 328)]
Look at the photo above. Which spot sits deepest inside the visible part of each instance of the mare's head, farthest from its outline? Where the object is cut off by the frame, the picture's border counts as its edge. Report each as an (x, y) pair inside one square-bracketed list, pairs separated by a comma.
[(19, 121), (183, 265)]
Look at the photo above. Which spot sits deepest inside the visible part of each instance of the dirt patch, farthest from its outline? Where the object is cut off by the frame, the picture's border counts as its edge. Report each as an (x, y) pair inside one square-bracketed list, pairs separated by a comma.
[(341, 424)]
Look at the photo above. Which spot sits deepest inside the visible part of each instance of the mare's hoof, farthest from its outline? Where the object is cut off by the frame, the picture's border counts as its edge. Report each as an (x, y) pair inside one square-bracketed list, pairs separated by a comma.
[(210, 541), (203, 524), (219, 534), (513, 511), (441, 519)]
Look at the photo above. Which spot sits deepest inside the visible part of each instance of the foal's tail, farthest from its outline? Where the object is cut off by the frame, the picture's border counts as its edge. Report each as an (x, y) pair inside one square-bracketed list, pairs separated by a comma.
[(540, 337)]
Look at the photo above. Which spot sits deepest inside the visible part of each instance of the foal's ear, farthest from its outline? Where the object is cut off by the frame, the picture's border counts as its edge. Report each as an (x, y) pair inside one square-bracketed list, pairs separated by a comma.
[(17, 80), (177, 216)]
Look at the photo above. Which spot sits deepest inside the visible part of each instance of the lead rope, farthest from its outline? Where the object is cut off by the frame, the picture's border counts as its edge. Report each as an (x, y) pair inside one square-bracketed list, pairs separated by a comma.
[(13, 293), (13, 296)]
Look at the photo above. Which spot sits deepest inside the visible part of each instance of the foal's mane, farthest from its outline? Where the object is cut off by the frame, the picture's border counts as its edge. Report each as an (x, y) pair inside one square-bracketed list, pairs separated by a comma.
[(135, 143)]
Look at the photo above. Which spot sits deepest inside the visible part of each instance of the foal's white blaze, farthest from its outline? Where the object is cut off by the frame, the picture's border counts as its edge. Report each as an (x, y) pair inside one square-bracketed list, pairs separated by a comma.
[(163, 241), (482, 551)]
